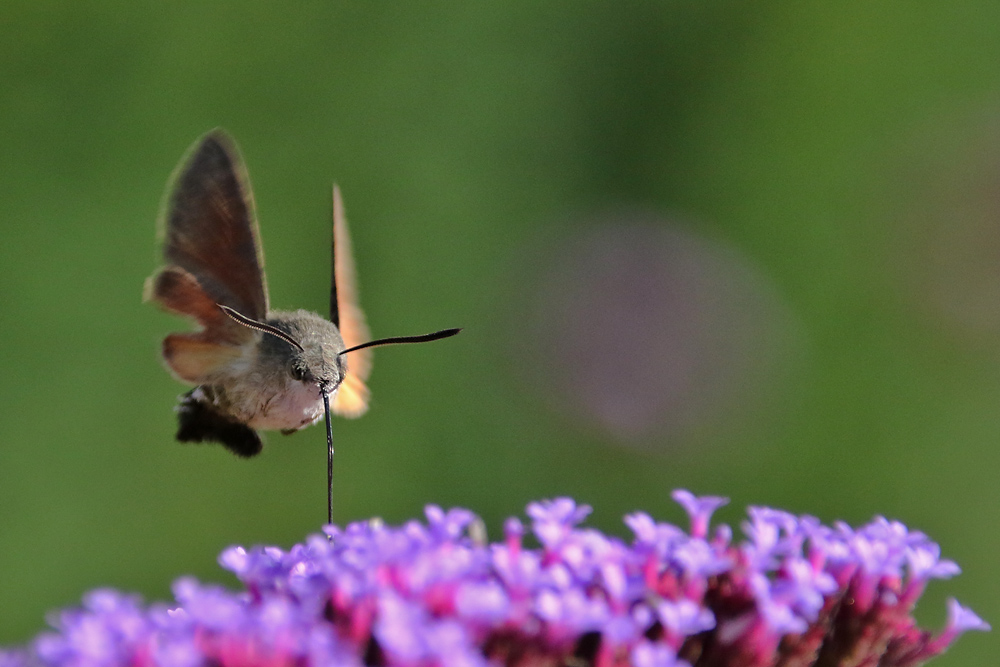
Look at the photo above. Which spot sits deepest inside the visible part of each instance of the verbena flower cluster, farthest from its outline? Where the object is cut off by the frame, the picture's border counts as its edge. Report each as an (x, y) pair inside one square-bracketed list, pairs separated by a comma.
[(793, 593)]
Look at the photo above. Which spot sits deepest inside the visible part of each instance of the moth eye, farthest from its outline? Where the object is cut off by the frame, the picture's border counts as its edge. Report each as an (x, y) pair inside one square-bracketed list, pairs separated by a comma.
[(298, 373)]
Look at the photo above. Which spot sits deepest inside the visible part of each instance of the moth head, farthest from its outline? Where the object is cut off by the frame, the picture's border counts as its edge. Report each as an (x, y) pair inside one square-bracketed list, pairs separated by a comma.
[(317, 355), (303, 345)]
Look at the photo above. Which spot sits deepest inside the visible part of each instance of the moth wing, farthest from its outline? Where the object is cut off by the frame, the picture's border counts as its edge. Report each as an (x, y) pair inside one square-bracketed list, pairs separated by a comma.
[(210, 244), (209, 226), (194, 357), (352, 396)]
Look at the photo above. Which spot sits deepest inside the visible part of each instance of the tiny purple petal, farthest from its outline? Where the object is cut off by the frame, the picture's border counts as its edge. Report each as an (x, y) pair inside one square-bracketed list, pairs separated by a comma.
[(177, 652), (723, 536), (650, 654), (699, 509), (962, 619), (615, 580), (776, 612), (802, 587), (234, 559), (698, 558), (925, 563), (643, 527), (485, 602), (781, 619), (659, 537), (448, 525), (684, 617), (553, 520), (548, 605), (212, 606), (513, 527), (449, 645), (561, 510), (400, 628)]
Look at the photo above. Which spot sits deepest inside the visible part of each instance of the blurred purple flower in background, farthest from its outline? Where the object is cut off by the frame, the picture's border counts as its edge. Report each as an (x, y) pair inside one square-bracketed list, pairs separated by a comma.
[(649, 331), (794, 593)]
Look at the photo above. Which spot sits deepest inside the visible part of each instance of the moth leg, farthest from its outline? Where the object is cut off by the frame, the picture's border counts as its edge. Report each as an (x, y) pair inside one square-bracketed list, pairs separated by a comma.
[(198, 422)]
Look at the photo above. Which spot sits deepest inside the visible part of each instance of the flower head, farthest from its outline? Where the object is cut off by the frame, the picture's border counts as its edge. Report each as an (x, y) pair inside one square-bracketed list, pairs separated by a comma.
[(431, 594)]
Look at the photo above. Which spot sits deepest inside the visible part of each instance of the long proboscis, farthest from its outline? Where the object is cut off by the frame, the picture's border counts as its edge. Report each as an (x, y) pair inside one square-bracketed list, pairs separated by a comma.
[(274, 331), (329, 457), (401, 340), (425, 338)]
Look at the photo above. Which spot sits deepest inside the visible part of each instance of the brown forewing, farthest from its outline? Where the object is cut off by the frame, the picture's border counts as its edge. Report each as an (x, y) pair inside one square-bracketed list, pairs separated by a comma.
[(210, 228)]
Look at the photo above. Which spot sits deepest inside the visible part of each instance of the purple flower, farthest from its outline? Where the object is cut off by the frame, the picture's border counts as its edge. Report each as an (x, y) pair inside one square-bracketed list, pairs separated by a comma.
[(649, 654), (434, 594), (553, 520), (699, 509)]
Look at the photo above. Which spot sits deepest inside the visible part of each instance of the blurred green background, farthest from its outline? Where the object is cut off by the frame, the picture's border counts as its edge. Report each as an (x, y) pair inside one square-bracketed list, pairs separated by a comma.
[(829, 175)]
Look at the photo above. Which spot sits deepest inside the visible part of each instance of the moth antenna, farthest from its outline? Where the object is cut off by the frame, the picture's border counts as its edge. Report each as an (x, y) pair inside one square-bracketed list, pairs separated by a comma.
[(338, 215), (397, 340), (261, 326)]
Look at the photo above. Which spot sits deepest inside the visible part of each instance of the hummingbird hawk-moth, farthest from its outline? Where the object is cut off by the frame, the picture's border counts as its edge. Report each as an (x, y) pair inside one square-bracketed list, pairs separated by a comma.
[(253, 368)]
